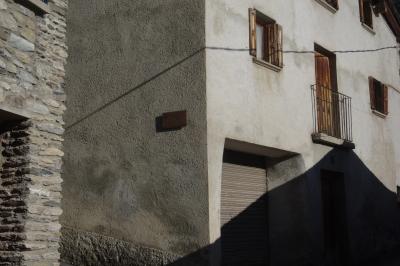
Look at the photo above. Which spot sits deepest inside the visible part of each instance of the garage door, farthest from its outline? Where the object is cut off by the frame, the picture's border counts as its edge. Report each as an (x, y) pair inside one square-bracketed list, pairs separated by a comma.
[(243, 215)]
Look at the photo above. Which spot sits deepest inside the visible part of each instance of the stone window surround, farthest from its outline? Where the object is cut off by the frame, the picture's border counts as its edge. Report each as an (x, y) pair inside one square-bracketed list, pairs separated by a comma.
[(38, 6)]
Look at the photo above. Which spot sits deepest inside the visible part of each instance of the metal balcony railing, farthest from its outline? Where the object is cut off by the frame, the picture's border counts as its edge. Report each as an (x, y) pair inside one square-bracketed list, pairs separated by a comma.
[(331, 113)]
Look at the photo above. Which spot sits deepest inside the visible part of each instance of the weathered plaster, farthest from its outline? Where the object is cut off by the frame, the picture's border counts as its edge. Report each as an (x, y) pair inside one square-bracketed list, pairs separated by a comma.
[(132, 61), (253, 104)]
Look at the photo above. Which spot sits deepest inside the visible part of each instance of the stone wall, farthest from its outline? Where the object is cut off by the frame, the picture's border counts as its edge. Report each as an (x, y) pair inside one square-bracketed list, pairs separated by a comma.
[(32, 57), (14, 190)]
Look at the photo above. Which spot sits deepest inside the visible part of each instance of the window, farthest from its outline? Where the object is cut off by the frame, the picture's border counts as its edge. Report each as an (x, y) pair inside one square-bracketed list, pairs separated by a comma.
[(331, 5), (266, 40), (40, 7), (379, 96), (366, 13)]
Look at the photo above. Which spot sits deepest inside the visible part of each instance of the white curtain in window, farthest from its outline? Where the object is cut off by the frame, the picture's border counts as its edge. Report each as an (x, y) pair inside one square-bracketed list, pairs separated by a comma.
[(260, 41)]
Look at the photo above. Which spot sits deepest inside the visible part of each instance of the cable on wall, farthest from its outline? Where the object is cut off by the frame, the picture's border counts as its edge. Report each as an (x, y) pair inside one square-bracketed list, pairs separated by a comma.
[(197, 52)]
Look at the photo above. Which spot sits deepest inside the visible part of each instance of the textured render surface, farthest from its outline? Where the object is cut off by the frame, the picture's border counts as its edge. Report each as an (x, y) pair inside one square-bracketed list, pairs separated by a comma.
[(251, 103), (130, 62), (32, 57), (95, 249)]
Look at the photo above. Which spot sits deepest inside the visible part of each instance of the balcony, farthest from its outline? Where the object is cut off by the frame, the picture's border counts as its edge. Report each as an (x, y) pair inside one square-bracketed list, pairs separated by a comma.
[(332, 117)]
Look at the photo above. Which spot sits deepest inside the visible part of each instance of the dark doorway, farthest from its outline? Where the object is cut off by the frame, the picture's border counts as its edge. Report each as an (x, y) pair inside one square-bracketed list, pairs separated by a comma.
[(334, 218)]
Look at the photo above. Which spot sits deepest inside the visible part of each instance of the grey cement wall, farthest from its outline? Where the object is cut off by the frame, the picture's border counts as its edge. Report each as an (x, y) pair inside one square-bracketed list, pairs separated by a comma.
[(124, 182)]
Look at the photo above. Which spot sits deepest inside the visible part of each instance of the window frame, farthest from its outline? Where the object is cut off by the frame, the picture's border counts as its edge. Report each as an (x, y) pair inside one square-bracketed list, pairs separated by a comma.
[(383, 109), (259, 19), (363, 6), (325, 3), (40, 7)]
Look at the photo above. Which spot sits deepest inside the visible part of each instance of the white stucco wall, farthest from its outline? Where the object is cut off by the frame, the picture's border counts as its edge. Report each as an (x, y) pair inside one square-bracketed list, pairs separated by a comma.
[(251, 103)]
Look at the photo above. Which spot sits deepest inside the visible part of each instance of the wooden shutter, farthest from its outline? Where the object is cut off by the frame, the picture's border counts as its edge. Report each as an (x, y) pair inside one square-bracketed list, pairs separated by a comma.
[(380, 7), (372, 92), (268, 40), (279, 45), (324, 94), (366, 12), (385, 100), (361, 6), (252, 30), (273, 39), (323, 71)]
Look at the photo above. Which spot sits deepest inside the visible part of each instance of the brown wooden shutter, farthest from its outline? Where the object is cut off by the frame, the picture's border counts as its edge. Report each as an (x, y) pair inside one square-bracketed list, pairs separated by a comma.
[(385, 100), (361, 5), (324, 94), (372, 92), (380, 7), (252, 30), (279, 44), (322, 71), (268, 39), (366, 12), (273, 44)]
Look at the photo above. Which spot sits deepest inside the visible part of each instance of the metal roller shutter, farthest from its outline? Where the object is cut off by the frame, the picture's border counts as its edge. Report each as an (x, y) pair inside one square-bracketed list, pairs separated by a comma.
[(243, 215)]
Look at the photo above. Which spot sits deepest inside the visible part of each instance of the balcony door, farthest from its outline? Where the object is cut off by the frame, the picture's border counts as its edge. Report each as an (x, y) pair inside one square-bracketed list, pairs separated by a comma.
[(327, 98)]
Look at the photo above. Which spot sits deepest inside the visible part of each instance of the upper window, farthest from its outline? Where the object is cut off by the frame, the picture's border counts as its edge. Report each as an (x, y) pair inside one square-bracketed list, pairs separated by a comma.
[(266, 40), (379, 96), (366, 13), (331, 5), (40, 7)]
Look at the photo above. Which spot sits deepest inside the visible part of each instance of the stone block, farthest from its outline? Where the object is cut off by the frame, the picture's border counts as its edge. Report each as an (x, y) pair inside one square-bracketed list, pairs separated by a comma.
[(2, 64), (52, 152), (51, 128), (20, 43), (28, 34), (10, 67), (26, 76), (3, 5), (7, 21)]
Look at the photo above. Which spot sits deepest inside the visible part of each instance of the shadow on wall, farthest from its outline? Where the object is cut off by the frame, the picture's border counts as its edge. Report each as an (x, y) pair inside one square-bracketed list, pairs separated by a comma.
[(354, 220)]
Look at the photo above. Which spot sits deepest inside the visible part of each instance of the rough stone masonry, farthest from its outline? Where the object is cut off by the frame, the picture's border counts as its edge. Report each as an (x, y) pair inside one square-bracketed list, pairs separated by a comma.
[(32, 101)]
